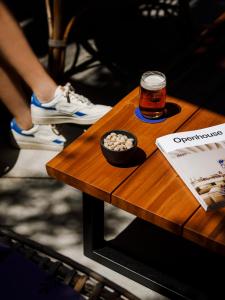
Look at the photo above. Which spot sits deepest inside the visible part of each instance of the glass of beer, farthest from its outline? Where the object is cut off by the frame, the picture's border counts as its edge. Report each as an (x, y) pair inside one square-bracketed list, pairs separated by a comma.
[(152, 99)]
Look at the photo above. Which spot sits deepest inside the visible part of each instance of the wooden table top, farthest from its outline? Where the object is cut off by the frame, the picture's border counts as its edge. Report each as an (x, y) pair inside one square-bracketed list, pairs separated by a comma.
[(150, 190)]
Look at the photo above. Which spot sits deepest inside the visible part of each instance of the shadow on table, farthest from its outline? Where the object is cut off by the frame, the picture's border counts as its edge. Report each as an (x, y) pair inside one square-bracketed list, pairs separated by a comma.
[(171, 109)]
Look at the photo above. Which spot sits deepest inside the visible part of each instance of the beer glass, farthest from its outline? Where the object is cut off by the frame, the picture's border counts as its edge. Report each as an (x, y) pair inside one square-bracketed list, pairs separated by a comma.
[(152, 99)]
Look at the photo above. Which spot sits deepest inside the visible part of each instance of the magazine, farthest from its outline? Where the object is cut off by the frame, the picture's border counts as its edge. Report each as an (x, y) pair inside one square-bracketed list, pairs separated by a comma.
[(199, 159)]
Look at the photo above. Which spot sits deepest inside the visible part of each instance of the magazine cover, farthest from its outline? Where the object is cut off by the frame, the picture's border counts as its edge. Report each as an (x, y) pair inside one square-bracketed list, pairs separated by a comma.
[(199, 159)]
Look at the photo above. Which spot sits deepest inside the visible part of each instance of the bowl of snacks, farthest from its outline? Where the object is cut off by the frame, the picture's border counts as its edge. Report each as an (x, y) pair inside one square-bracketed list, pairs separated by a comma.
[(118, 146)]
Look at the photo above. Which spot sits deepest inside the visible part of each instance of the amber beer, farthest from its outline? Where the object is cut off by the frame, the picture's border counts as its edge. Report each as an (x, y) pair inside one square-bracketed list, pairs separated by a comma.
[(152, 94)]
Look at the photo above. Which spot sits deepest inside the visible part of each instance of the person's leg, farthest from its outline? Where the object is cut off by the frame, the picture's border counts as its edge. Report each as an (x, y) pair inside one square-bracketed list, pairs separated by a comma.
[(17, 52), (26, 135), (14, 98), (50, 105)]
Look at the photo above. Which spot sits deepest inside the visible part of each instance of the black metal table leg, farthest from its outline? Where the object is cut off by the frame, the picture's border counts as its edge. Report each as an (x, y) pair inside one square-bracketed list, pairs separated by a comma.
[(93, 224), (167, 264)]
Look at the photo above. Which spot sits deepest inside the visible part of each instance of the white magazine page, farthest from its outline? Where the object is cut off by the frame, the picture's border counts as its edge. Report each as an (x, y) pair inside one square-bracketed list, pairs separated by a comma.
[(199, 159), (203, 170)]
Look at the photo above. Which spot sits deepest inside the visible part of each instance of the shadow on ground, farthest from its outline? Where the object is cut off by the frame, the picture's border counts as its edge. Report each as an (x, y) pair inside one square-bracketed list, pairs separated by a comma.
[(48, 210)]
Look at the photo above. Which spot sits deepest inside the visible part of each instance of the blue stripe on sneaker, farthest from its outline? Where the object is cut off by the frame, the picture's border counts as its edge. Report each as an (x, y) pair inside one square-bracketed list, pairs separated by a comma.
[(36, 102), (17, 129), (58, 141), (79, 114)]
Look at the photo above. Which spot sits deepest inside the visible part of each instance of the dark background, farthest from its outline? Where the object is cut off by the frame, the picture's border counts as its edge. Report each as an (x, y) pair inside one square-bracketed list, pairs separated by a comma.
[(129, 40)]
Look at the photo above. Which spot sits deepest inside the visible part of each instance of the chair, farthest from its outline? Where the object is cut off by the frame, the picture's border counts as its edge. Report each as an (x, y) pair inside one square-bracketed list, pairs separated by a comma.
[(118, 30), (65, 274)]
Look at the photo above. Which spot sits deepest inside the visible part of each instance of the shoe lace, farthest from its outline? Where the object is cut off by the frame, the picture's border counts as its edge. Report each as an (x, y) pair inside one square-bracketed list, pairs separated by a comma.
[(72, 97), (54, 129), (48, 131)]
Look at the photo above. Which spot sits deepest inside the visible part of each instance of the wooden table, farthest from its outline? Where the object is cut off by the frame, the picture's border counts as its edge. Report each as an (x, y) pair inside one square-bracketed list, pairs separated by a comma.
[(174, 246)]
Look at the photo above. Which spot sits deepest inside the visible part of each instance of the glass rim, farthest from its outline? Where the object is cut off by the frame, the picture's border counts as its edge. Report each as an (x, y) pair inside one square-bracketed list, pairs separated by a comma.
[(153, 86)]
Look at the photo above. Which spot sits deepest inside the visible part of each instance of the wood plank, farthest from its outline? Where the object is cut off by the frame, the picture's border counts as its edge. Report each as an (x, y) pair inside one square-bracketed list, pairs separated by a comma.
[(155, 192), (207, 229), (82, 164)]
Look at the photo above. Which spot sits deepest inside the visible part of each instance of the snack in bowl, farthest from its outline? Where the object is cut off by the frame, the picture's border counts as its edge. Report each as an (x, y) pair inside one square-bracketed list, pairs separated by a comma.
[(118, 146), (118, 142)]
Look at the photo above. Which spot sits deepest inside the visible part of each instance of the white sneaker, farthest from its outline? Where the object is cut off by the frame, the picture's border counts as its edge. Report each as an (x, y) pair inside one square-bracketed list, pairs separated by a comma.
[(43, 137), (66, 107)]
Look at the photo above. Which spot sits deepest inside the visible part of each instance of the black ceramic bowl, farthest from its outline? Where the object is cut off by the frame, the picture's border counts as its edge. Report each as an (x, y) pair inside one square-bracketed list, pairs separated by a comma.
[(119, 157)]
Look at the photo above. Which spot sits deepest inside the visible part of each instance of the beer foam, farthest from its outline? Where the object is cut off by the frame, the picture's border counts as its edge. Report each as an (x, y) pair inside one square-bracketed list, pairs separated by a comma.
[(153, 82)]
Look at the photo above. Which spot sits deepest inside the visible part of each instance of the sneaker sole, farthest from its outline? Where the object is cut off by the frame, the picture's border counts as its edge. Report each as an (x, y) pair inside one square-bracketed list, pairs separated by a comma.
[(27, 145), (61, 120)]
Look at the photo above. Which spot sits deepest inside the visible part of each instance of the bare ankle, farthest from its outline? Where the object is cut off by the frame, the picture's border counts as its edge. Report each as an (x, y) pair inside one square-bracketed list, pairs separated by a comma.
[(45, 93), (24, 124)]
